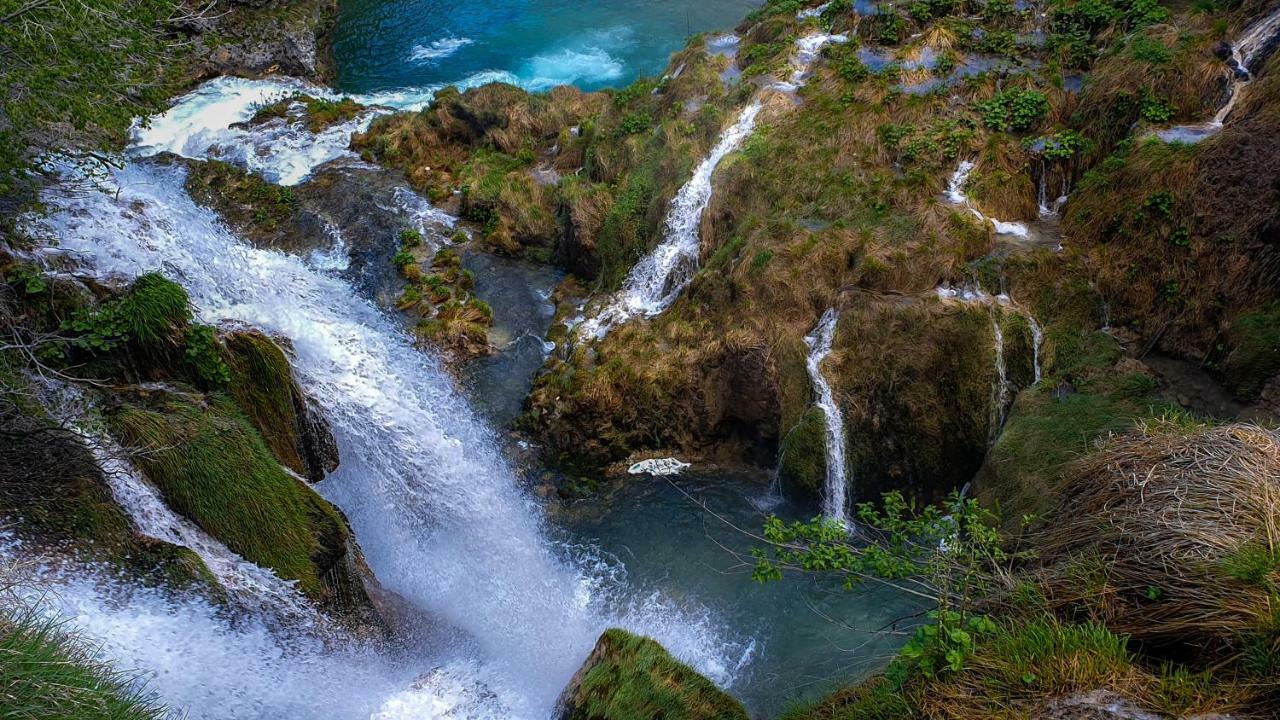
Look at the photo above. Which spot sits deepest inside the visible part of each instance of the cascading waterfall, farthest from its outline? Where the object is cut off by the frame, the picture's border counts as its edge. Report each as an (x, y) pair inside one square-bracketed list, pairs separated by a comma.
[(434, 504), (1047, 208), (957, 196), (1252, 47), (834, 503), (1002, 394), (658, 278), (1037, 340)]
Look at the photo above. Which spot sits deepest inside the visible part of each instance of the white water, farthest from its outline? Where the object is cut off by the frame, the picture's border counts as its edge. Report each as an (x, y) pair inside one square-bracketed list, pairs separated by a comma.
[(1046, 208), (200, 125), (1037, 340), (957, 196), (657, 279), (432, 501), (1002, 393), (1244, 54), (834, 503)]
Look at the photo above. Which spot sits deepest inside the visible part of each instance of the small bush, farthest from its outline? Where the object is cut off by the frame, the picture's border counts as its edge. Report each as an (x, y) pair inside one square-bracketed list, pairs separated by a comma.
[(1017, 110)]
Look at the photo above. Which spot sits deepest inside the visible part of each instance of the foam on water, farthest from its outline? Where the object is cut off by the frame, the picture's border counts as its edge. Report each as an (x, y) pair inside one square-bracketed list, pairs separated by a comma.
[(834, 502), (438, 49), (209, 122), (432, 501)]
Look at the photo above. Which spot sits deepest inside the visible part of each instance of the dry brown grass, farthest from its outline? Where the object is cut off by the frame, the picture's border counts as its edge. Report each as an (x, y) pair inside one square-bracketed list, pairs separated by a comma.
[(1148, 527)]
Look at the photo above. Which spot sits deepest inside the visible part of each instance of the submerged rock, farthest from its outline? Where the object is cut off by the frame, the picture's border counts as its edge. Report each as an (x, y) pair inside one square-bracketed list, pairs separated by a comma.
[(628, 676)]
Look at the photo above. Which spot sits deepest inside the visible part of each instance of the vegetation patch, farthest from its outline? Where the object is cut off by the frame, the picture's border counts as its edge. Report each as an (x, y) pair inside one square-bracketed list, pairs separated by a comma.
[(629, 677)]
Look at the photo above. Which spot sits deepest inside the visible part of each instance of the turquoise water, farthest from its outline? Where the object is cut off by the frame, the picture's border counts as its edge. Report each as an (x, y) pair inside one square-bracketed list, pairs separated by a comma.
[(385, 44), (684, 539)]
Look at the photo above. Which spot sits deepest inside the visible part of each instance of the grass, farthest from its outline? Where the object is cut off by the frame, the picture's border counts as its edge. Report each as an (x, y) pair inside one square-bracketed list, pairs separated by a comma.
[(213, 467), (629, 677), (46, 671)]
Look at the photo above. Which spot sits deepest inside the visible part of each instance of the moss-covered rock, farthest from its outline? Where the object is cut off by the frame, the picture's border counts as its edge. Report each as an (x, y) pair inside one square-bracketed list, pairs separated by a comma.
[(212, 466), (628, 677), (262, 383), (55, 494), (1254, 355), (802, 456)]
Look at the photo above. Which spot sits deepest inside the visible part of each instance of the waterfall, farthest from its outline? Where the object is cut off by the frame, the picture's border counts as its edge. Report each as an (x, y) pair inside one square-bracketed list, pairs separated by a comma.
[(1254, 44), (1037, 341), (436, 507), (956, 196), (834, 504), (1001, 395), (657, 279)]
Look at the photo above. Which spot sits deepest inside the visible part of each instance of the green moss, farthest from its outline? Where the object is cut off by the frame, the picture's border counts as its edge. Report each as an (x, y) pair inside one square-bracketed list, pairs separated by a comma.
[(1254, 357), (263, 388), (629, 677), (212, 466), (802, 463)]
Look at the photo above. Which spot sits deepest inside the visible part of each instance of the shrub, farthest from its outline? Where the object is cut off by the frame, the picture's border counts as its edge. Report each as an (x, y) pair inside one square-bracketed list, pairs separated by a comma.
[(1017, 110), (204, 358)]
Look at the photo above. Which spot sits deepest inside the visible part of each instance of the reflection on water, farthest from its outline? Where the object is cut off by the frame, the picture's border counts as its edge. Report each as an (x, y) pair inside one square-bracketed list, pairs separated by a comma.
[(519, 292)]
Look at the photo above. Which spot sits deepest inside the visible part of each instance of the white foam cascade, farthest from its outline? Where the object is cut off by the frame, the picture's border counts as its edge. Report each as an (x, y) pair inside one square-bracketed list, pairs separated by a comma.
[(205, 665), (657, 279), (209, 122), (1046, 207), (834, 502), (430, 497), (1002, 392), (1245, 52), (957, 196)]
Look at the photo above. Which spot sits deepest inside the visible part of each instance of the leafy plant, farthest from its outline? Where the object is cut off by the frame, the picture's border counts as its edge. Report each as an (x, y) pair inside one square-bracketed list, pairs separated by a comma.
[(1017, 110), (205, 359)]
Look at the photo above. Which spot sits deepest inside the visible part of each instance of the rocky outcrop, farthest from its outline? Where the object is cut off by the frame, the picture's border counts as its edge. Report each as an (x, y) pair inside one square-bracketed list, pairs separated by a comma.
[(253, 38), (628, 676)]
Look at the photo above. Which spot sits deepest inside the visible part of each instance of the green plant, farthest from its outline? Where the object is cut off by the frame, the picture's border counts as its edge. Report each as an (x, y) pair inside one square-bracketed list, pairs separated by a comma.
[(49, 672), (149, 313), (1017, 110), (1154, 109), (1149, 50), (204, 357)]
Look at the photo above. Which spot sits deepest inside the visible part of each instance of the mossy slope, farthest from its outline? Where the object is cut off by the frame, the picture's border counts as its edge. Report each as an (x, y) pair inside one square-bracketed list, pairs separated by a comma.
[(628, 677)]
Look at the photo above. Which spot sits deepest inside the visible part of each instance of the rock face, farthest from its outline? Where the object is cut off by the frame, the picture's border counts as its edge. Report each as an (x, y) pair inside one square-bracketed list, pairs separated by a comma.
[(629, 677), (252, 38)]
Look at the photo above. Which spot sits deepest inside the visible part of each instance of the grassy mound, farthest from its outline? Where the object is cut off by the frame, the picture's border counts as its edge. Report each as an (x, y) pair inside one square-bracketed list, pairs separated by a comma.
[(212, 466), (1169, 536), (628, 677)]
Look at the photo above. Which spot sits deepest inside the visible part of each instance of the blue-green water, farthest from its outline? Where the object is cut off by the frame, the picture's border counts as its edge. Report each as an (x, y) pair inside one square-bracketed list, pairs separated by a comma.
[(385, 44)]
